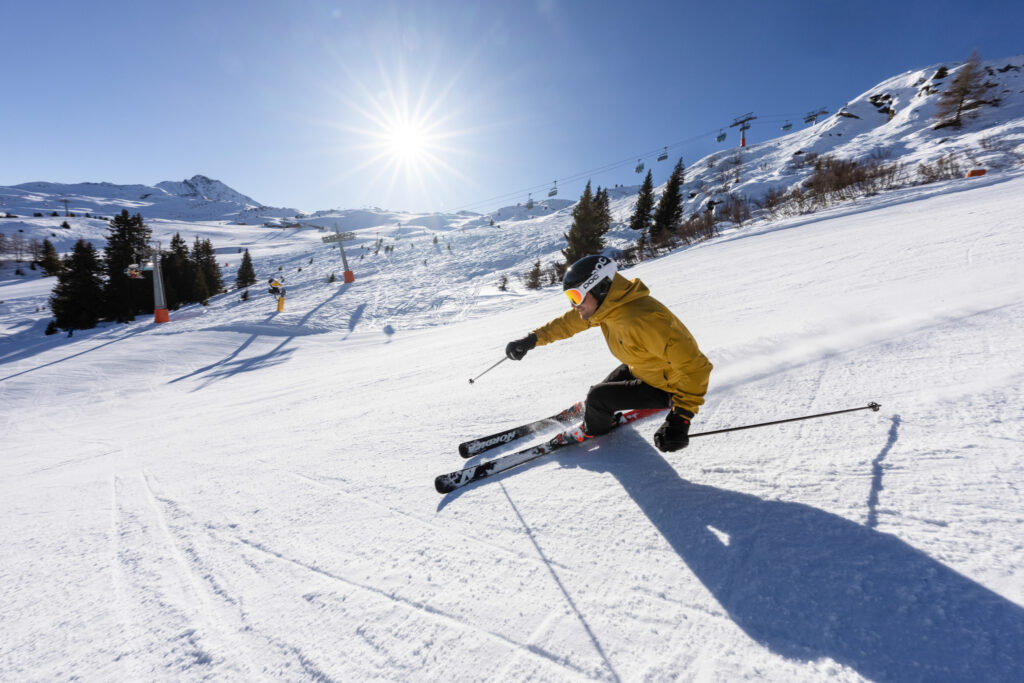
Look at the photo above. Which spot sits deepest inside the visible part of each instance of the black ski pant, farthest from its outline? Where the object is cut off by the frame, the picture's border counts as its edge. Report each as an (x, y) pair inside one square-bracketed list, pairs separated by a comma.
[(619, 391)]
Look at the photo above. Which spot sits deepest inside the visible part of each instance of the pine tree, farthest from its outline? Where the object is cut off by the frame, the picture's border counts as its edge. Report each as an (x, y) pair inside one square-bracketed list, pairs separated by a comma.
[(206, 277), (127, 243), (50, 260), (213, 275), (533, 277), (669, 212), (641, 218), (584, 236), (246, 273), (641, 246), (967, 91), (200, 289), (602, 212), (177, 274), (77, 300)]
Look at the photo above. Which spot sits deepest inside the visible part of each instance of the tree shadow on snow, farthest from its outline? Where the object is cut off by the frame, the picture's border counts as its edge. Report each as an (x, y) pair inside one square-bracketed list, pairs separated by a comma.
[(76, 344), (233, 364), (808, 584)]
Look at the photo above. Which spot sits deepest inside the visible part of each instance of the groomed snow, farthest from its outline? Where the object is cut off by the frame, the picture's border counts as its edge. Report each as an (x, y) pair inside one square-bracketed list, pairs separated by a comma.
[(246, 495)]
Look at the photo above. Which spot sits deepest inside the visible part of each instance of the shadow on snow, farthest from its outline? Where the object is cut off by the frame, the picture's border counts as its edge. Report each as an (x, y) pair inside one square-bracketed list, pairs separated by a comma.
[(232, 364), (807, 584)]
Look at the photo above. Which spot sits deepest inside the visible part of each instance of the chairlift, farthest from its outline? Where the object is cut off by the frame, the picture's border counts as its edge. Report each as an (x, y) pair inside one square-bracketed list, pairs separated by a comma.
[(812, 117), (721, 136), (529, 202), (663, 155), (554, 189), (133, 271), (639, 166), (787, 126)]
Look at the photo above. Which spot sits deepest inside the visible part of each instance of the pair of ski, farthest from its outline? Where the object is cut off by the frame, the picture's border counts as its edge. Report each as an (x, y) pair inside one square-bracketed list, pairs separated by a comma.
[(447, 483)]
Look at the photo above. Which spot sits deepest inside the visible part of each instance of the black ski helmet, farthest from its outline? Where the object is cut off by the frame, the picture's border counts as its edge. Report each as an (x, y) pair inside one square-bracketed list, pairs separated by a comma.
[(592, 274)]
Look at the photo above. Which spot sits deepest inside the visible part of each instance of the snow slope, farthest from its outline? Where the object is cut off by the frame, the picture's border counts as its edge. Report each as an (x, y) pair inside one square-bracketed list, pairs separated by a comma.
[(241, 494)]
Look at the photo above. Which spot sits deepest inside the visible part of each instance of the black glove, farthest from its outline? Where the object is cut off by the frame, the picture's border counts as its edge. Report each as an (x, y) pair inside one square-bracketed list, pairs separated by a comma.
[(673, 434), (517, 349)]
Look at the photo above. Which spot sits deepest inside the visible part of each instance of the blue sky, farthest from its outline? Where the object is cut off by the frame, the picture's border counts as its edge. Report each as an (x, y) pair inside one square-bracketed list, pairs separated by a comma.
[(439, 105)]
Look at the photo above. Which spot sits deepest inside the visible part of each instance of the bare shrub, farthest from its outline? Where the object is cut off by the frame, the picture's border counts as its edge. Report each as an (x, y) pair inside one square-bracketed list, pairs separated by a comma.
[(773, 202), (944, 168), (1006, 149), (736, 209), (699, 226), (836, 179)]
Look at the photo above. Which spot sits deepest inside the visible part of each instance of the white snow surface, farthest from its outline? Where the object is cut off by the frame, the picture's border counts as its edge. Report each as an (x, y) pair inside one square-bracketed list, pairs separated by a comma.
[(242, 494)]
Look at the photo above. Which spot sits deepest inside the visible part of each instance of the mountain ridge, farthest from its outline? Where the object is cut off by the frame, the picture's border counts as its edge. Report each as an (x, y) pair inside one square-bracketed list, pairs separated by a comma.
[(196, 198)]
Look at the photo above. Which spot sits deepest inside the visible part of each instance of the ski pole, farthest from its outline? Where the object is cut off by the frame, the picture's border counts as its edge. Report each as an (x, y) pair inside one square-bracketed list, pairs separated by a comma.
[(873, 406), (488, 370)]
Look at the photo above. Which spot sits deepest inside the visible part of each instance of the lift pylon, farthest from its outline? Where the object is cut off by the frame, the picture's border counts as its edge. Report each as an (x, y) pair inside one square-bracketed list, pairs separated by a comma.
[(744, 124)]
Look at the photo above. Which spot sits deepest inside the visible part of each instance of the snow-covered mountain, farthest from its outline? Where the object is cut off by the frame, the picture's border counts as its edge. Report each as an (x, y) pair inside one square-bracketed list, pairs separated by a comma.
[(198, 199), (893, 123), (202, 188)]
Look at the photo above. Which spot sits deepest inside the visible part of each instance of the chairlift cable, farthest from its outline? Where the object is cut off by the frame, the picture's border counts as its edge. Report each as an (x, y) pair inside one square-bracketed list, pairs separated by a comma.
[(544, 187)]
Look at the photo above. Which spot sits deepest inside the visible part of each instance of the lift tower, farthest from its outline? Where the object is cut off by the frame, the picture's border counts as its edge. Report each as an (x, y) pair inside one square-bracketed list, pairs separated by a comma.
[(744, 123)]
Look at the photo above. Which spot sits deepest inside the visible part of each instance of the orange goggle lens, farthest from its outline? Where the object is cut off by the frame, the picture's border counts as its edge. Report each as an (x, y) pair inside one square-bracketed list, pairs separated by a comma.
[(575, 296)]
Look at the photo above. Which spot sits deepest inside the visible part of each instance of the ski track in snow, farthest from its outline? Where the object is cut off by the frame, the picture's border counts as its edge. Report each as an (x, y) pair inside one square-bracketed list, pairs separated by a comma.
[(413, 605), (439, 528)]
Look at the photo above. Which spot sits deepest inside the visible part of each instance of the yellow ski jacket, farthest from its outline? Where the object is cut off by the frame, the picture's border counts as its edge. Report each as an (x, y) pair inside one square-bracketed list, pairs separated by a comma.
[(642, 333)]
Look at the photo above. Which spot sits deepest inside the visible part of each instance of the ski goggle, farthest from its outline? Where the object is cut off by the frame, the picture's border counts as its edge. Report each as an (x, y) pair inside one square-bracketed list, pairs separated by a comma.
[(576, 295), (604, 269)]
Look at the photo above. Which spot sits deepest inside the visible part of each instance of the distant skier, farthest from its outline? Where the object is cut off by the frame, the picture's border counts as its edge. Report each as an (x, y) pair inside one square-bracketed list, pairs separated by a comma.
[(662, 367)]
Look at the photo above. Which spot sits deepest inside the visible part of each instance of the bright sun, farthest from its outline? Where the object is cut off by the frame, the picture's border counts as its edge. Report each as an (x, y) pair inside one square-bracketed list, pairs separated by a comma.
[(407, 142)]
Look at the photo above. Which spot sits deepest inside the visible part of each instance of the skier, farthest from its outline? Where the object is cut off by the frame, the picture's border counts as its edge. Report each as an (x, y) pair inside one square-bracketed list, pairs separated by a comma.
[(662, 367)]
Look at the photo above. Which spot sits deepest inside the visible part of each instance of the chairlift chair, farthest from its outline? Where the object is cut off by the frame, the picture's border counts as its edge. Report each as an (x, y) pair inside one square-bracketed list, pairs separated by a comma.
[(787, 126), (529, 202), (554, 189), (721, 136), (639, 166), (663, 155)]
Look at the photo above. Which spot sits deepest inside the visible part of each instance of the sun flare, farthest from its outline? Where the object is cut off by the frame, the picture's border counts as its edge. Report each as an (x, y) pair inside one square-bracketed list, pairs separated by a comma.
[(409, 140), (406, 141)]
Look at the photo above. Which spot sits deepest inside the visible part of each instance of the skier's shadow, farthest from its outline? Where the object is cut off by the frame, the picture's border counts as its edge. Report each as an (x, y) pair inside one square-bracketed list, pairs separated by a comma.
[(807, 584)]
